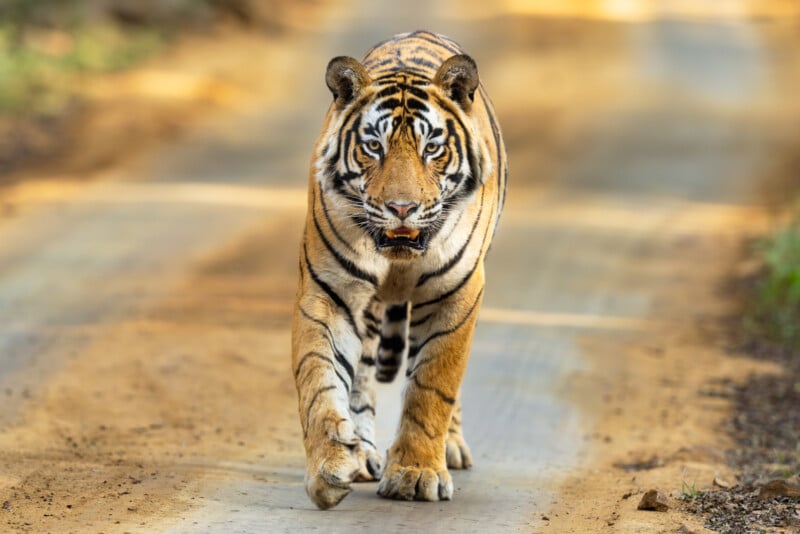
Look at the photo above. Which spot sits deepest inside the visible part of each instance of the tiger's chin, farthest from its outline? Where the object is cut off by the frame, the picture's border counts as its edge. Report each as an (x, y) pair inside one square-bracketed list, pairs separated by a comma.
[(402, 243)]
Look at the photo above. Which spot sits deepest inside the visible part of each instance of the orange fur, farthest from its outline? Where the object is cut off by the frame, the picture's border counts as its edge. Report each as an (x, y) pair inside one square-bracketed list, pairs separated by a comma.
[(406, 186)]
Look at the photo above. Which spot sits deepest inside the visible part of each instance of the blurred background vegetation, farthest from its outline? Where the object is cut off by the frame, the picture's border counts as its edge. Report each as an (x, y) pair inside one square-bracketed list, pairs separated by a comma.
[(47, 46), (53, 53), (775, 311)]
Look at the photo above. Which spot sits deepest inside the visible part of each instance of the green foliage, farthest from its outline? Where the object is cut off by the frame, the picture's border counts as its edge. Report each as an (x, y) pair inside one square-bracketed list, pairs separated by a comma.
[(776, 313), (689, 492), (39, 73), (46, 46)]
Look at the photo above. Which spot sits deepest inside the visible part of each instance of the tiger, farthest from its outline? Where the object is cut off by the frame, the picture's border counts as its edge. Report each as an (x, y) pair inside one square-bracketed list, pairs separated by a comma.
[(406, 185)]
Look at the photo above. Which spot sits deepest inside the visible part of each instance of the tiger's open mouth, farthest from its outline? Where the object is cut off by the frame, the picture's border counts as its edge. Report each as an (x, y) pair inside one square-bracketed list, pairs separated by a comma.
[(402, 237)]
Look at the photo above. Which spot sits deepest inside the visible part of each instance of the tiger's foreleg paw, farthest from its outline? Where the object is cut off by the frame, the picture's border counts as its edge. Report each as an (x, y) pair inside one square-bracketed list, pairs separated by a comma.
[(416, 483), (333, 465)]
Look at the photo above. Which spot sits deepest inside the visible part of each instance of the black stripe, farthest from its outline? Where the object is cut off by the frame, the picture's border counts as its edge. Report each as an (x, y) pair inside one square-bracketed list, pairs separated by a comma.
[(414, 104), (397, 312), (308, 376), (365, 440), (502, 170), (392, 360), (389, 103), (415, 91), (467, 139), (390, 90), (336, 352), (463, 281), (449, 293), (436, 40), (375, 64), (344, 363), (393, 343), (362, 409), (367, 360), (437, 391), (428, 51), (472, 183), (341, 180), (311, 405), (411, 417), (423, 62), (368, 316), (414, 350), (376, 128), (308, 355), (331, 225), (405, 69), (345, 263), (421, 320), (455, 259), (348, 137), (331, 293)]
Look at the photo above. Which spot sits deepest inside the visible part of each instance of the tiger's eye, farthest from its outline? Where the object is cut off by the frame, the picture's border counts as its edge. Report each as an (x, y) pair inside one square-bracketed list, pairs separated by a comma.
[(374, 145), (430, 148)]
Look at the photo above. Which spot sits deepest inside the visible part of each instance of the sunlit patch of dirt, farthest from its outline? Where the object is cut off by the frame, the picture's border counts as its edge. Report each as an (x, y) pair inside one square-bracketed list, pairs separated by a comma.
[(123, 434), (660, 419)]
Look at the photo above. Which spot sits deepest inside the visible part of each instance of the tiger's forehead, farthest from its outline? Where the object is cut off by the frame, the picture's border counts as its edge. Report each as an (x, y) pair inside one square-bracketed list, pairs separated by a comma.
[(401, 80), (401, 99)]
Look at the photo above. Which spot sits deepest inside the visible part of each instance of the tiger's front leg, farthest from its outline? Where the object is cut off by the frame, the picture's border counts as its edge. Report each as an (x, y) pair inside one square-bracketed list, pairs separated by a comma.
[(416, 465), (325, 349)]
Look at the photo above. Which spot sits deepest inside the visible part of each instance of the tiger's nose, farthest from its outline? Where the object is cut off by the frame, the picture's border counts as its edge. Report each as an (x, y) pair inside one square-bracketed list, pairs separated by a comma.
[(401, 208)]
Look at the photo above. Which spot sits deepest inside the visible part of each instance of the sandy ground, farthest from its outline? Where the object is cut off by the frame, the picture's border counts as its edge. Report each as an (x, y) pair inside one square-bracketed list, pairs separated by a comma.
[(145, 314)]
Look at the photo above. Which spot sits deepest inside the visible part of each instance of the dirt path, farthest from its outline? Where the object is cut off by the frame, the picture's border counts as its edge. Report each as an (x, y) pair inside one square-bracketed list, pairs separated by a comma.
[(144, 317)]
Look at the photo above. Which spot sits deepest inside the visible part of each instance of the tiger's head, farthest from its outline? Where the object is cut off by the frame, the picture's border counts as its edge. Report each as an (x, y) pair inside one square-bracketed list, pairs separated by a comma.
[(402, 152)]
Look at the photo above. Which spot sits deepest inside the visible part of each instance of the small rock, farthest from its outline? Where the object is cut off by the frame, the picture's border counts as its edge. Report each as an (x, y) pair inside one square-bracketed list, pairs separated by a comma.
[(778, 488), (722, 483), (545, 518), (654, 500)]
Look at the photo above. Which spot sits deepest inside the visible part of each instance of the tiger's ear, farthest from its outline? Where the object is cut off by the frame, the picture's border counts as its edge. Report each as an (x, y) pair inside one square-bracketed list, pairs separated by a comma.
[(346, 78), (458, 76)]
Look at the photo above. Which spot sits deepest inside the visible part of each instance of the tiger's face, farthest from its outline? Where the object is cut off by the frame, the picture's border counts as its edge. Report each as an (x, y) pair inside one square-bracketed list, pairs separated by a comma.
[(403, 156)]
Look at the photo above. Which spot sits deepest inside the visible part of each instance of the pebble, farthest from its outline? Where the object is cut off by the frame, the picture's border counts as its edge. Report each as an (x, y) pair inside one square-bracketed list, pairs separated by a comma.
[(654, 500)]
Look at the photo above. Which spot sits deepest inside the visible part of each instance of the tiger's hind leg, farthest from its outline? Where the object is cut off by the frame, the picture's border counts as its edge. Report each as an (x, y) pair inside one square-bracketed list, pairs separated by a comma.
[(394, 335), (362, 398), (456, 449), (416, 463)]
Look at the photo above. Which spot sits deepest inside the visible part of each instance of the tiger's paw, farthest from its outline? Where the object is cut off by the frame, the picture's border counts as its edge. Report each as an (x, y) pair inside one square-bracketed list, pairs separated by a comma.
[(370, 463), (333, 466), (415, 483), (457, 452)]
